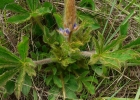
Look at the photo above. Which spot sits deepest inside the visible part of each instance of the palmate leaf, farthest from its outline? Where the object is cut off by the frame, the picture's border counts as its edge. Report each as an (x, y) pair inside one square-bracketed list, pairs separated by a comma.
[(6, 76), (23, 48), (115, 59), (118, 58), (19, 83)]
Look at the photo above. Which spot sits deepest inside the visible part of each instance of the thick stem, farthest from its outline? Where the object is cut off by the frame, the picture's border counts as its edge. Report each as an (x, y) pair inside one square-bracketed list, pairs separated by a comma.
[(44, 61), (63, 86), (50, 60)]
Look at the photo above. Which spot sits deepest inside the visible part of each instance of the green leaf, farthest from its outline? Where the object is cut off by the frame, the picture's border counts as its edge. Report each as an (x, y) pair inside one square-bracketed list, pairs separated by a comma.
[(88, 21), (84, 74), (80, 87), (6, 76), (54, 70), (16, 8), (95, 26), (98, 70), (29, 67), (19, 83), (128, 17), (32, 4), (4, 3), (29, 62), (23, 48), (10, 85), (118, 58), (46, 35), (70, 94), (66, 78), (30, 71), (133, 43), (89, 86), (40, 12), (27, 85), (58, 19), (8, 59), (7, 55), (57, 81), (111, 62), (49, 6), (86, 36), (48, 80), (8, 63), (101, 39), (72, 85), (19, 18), (96, 45), (124, 28), (53, 93), (91, 79)]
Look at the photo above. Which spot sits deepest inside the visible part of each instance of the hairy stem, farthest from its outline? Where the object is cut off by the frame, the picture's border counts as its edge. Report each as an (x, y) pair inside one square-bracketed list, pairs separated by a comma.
[(50, 60), (63, 86), (44, 61)]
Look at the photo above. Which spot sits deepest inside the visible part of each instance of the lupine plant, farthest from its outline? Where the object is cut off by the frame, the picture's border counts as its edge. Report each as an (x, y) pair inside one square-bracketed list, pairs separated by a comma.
[(69, 69)]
